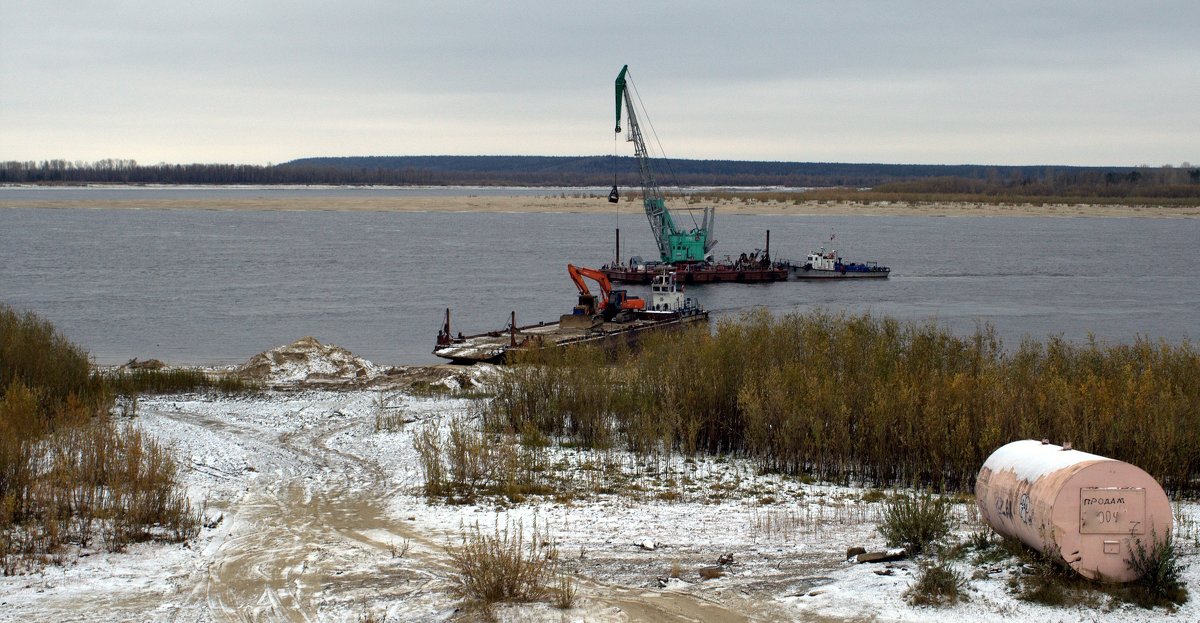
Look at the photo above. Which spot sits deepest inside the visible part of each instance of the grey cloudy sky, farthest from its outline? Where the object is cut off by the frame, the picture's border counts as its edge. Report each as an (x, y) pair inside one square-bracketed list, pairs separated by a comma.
[(995, 82)]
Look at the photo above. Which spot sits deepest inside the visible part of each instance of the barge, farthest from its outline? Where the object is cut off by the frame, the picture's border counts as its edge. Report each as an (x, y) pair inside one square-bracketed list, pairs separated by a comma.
[(613, 320), (755, 267), (700, 272)]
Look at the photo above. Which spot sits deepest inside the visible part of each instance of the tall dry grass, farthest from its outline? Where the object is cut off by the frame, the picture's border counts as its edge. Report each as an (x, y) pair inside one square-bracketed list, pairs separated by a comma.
[(863, 399), (505, 565), (70, 475), (461, 463), (40, 357)]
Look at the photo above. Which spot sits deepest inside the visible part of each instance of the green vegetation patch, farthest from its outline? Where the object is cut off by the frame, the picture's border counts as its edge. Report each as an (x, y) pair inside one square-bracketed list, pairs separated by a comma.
[(171, 381), (916, 522)]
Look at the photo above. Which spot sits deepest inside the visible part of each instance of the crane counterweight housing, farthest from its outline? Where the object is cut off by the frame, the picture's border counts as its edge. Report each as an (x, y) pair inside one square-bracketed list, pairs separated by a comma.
[(675, 245)]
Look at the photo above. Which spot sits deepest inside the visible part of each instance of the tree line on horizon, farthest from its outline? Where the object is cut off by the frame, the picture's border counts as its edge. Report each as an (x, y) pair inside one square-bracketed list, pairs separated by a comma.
[(1141, 181)]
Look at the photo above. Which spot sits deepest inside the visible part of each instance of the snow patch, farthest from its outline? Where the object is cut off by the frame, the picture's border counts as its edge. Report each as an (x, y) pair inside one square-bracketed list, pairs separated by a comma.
[(308, 360), (1032, 459)]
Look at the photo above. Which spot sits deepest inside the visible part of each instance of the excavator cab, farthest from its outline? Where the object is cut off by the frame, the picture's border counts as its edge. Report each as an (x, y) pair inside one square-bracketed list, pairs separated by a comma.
[(621, 307)]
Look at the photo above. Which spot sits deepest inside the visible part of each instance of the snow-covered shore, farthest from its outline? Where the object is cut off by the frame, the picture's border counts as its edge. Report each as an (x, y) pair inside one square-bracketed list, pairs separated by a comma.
[(321, 517)]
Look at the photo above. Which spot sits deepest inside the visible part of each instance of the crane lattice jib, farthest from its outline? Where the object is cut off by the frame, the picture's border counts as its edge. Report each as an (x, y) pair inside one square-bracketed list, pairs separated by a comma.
[(661, 223), (674, 245)]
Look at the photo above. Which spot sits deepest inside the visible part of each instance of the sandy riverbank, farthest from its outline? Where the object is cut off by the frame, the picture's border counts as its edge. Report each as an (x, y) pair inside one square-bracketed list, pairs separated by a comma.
[(573, 204)]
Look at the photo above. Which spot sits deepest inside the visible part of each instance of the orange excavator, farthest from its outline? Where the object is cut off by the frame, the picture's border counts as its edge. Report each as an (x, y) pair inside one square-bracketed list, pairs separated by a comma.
[(612, 306)]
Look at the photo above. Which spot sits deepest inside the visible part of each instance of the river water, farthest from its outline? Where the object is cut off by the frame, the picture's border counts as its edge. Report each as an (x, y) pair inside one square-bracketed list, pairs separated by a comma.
[(216, 287)]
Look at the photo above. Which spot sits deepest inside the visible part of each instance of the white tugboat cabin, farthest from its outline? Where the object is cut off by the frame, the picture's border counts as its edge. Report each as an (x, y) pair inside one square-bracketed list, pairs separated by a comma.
[(667, 295), (824, 264)]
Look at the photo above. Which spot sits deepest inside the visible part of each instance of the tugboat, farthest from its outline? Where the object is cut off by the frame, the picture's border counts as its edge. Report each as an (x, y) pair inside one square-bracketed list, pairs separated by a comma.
[(667, 300), (609, 320), (829, 265)]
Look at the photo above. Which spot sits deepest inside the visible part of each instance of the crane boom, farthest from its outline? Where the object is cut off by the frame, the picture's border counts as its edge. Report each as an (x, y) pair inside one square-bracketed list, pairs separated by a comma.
[(674, 245)]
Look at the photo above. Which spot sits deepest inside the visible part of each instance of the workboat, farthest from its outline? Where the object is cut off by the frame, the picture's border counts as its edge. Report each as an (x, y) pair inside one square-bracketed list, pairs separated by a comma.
[(611, 320), (824, 264)]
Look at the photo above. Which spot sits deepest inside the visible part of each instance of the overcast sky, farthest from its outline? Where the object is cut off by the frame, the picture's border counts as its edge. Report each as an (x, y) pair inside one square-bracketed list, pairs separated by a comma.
[(991, 82)]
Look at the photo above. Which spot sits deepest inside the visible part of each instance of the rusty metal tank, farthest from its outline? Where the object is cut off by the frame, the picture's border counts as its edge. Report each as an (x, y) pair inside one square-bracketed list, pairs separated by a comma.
[(1088, 508)]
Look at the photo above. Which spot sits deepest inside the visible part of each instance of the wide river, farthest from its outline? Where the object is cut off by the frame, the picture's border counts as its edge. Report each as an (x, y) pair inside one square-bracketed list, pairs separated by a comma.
[(216, 287)]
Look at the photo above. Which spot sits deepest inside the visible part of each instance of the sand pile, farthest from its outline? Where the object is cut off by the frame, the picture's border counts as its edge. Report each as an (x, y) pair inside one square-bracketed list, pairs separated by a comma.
[(308, 361)]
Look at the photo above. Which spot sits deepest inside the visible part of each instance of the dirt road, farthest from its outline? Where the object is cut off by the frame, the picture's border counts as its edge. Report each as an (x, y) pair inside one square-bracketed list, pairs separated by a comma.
[(315, 541)]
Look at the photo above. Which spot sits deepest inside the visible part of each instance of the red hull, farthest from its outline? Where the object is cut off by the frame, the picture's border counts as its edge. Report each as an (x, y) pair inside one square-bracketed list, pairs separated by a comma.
[(702, 274)]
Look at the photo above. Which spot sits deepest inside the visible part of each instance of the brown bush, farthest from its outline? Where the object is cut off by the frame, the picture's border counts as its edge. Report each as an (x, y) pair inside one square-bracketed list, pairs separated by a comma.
[(68, 471), (503, 565)]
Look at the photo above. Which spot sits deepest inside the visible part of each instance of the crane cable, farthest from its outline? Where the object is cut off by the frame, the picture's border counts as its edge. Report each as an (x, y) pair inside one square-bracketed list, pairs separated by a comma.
[(615, 198), (666, 161), (613, 195)]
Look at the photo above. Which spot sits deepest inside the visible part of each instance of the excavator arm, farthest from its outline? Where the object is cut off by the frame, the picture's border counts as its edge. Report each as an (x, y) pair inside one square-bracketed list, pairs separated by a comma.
[(611, 301), (613, 304), (579, 272), (590, 312), (578, 279)]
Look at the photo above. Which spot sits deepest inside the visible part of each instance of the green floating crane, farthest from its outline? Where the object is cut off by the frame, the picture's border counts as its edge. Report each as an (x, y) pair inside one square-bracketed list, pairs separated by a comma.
[(675, 245)]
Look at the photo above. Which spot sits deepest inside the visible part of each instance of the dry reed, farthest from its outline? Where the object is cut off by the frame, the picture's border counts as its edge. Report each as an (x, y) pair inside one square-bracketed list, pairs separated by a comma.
[(866, 400)]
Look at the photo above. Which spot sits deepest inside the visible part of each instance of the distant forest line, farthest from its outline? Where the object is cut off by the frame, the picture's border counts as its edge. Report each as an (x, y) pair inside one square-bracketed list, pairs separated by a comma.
[(960, 182)]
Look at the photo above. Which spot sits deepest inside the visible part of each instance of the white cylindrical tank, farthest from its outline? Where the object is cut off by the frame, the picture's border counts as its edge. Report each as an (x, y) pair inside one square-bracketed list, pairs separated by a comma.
[(1088, 508)]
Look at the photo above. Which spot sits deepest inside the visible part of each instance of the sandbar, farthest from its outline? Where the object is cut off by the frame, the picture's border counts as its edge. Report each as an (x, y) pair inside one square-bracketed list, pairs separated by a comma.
[(600, 205)]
